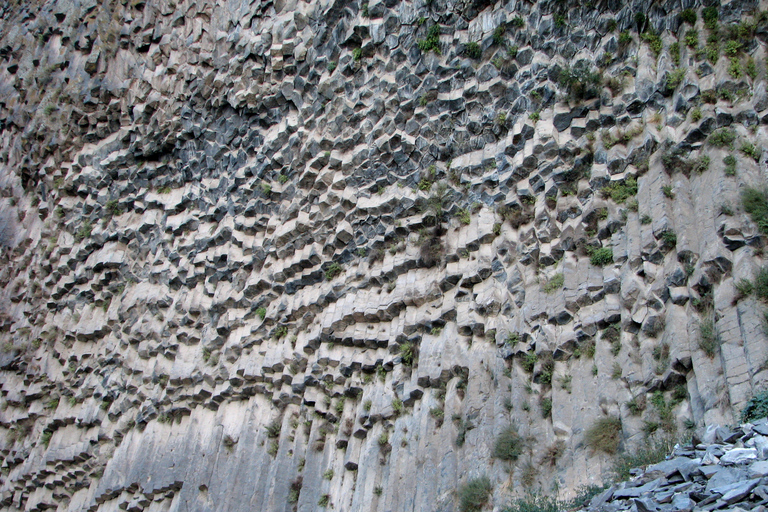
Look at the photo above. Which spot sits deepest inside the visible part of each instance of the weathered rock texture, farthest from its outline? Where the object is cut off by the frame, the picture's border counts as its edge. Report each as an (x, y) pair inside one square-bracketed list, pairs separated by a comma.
[(265, 255)]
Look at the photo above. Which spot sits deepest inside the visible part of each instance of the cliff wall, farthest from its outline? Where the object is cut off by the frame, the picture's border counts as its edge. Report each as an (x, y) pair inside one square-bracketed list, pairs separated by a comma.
[(290, 255)]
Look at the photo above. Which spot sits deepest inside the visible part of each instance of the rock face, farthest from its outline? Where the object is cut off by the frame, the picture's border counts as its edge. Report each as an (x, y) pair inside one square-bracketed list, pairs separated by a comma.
[(291, 255)]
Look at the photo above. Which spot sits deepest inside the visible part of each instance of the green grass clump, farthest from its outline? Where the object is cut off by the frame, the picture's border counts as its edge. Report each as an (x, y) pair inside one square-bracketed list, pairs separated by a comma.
[(755, 203), (529, 361), (669, 238), (407, 353), (472, 50), (692, 39), (554, 283), (761, 284), (710, 16), (722, 138), (84, 231), (675, 78), (508, 445), (601, 257), (688, 16), (332, 271), (654, 42), (751, 151), (580, 82), (620, 191), (708, 340), (432, 42), (604, 435), (756, 408), (498, 35), (474, 494)]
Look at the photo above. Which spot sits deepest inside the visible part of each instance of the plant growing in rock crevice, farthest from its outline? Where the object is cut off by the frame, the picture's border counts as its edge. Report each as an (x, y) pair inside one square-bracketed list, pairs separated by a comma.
[(604, 435), (508, 445)]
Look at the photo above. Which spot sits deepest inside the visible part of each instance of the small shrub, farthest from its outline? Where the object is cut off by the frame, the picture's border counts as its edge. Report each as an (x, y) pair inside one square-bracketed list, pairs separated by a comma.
[(328, 475), (616, 372), (667, 191), (710, 16), (645, 219), (625, 38), (274, 427), (601, 257), (732, 48), (734, 68), (755, 203), (546, 407), (688, 16), (498, 35), (331, 66), (324, 500), (508, 445), (580, 82), (464, 216), (472, 50), (554, 283), (474, 494), (261, 312), (750, 68), (696, 115), (756, 408), (112, 206), (604, 435), (333, 270), (432, 42), (654, 42), (398, 406), (529, 361), (761, 284), (635, 406), (675, 78), (674, 51), (407, 353), (701, 164), (722, 138), (620, 191), (669, 238), (692, 39), (84, 231), (708, 340), (750, 150)]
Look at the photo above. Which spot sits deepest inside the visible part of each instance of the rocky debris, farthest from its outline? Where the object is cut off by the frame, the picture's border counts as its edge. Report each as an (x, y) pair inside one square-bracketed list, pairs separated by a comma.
[(725, 470)]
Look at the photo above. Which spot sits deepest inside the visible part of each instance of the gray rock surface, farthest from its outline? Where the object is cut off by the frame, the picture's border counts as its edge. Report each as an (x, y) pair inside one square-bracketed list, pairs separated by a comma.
[(267, 255)]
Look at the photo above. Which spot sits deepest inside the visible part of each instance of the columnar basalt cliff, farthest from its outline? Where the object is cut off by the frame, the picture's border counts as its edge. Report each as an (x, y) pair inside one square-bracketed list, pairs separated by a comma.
[(291, 255)]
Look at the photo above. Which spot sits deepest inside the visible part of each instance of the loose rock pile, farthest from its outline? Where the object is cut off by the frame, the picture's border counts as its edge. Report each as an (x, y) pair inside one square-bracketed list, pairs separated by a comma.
[(727, 470)]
